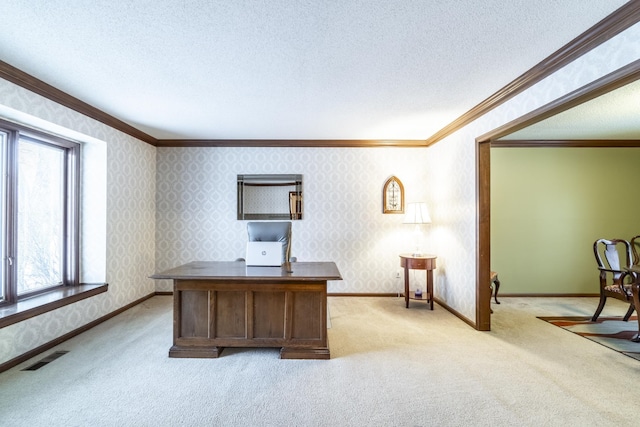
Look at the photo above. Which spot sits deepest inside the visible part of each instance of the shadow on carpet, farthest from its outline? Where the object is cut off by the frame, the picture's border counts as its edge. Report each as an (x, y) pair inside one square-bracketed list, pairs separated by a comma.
[(611, 332)]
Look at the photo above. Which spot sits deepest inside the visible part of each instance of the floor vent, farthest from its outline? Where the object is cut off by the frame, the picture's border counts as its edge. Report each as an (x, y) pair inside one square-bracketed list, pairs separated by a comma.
[(50, 358)]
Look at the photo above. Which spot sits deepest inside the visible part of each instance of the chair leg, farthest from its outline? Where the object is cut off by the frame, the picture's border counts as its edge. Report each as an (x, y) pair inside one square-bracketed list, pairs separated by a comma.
[(490, 292), (635, 291), (629, 312), (494, 286), (603, 299)]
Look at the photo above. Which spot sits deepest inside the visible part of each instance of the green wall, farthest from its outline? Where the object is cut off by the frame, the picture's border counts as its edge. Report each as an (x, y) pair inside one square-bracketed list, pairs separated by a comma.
[(548, 206)]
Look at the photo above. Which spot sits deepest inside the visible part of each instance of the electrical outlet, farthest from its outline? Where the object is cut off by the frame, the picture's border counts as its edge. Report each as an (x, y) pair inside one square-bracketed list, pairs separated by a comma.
[(397, 274)]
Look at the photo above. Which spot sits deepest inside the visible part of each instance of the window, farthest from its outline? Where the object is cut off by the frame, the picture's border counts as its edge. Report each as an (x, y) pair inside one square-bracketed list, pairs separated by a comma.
[(39, 213)]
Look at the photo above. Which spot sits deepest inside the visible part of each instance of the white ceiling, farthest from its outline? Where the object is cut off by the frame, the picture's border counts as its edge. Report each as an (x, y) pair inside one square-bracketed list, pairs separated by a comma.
[(287, 69)]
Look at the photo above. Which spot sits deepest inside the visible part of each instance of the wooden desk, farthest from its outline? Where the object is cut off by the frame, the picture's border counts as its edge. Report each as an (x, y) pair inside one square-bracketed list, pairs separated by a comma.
[(226, 304), (424, 262), (635, 290)]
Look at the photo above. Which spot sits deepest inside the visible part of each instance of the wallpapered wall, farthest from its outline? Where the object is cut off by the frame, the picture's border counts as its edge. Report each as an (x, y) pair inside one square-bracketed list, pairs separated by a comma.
[(195, 206), (126, 185), (343, 220)]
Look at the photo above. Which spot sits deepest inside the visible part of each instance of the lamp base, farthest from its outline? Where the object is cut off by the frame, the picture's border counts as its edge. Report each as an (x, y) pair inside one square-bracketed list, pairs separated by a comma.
[(416, 254)]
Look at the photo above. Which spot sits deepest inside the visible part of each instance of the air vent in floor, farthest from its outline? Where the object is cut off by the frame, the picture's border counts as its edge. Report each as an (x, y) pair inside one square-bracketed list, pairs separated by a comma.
[(50, 358)]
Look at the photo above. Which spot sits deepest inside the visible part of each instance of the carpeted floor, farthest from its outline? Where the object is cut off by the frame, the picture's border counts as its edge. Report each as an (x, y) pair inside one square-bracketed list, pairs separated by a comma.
[(389, 366), (611, 332)]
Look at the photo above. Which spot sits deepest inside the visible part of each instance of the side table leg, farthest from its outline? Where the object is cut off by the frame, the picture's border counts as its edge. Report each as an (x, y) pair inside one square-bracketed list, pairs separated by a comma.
[(406, 287), (430, 287)]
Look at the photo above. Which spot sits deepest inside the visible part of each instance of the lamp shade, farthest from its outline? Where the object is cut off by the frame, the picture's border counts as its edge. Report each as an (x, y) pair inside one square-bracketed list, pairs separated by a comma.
[(417, 213)]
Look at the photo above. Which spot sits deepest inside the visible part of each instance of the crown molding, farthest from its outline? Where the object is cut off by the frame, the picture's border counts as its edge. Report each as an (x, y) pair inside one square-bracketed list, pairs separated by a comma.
[(574, 143), (27, 81), (308, 143)]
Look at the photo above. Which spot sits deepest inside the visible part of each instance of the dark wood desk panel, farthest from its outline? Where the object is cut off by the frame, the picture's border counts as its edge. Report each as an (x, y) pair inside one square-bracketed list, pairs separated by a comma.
[(226, 304)]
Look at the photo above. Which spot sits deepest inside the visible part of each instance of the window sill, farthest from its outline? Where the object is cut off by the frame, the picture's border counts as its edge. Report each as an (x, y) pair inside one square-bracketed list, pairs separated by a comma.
[(49, 301)]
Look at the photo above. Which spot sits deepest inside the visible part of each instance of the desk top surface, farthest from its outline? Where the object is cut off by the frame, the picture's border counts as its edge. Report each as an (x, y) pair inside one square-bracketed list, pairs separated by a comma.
[(237, 270)]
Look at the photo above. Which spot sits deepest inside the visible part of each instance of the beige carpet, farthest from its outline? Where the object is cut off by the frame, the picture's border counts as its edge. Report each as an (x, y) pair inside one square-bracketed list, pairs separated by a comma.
[(390, 366)]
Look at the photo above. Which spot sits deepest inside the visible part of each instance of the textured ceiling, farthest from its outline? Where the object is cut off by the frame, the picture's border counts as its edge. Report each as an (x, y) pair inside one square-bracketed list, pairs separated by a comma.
[(286, 69)]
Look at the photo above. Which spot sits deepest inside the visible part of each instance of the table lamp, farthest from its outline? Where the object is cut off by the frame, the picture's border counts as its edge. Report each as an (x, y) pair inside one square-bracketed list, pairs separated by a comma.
[(417, 213)]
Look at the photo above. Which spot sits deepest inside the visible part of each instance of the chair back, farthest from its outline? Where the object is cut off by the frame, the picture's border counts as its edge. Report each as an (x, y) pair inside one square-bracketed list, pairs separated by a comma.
[(278, 231), (635, 248), (614, 254), (614, 257)]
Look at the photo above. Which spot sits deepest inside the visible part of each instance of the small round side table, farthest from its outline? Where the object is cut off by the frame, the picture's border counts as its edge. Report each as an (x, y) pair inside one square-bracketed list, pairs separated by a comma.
[(418, 262)]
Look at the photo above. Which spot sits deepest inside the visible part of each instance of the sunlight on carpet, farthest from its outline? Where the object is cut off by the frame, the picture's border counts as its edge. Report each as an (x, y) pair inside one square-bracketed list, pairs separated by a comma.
[(611, 332)]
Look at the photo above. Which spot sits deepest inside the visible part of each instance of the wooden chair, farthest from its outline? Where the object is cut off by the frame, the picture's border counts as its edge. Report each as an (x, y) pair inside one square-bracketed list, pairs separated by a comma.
[(635, 249), (615, 280)]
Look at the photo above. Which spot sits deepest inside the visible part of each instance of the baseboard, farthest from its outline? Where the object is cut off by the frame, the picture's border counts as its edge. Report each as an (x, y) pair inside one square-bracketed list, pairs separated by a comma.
[(456, 313), (47, 346), (347, 294), (354, 294), (548, 295)]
